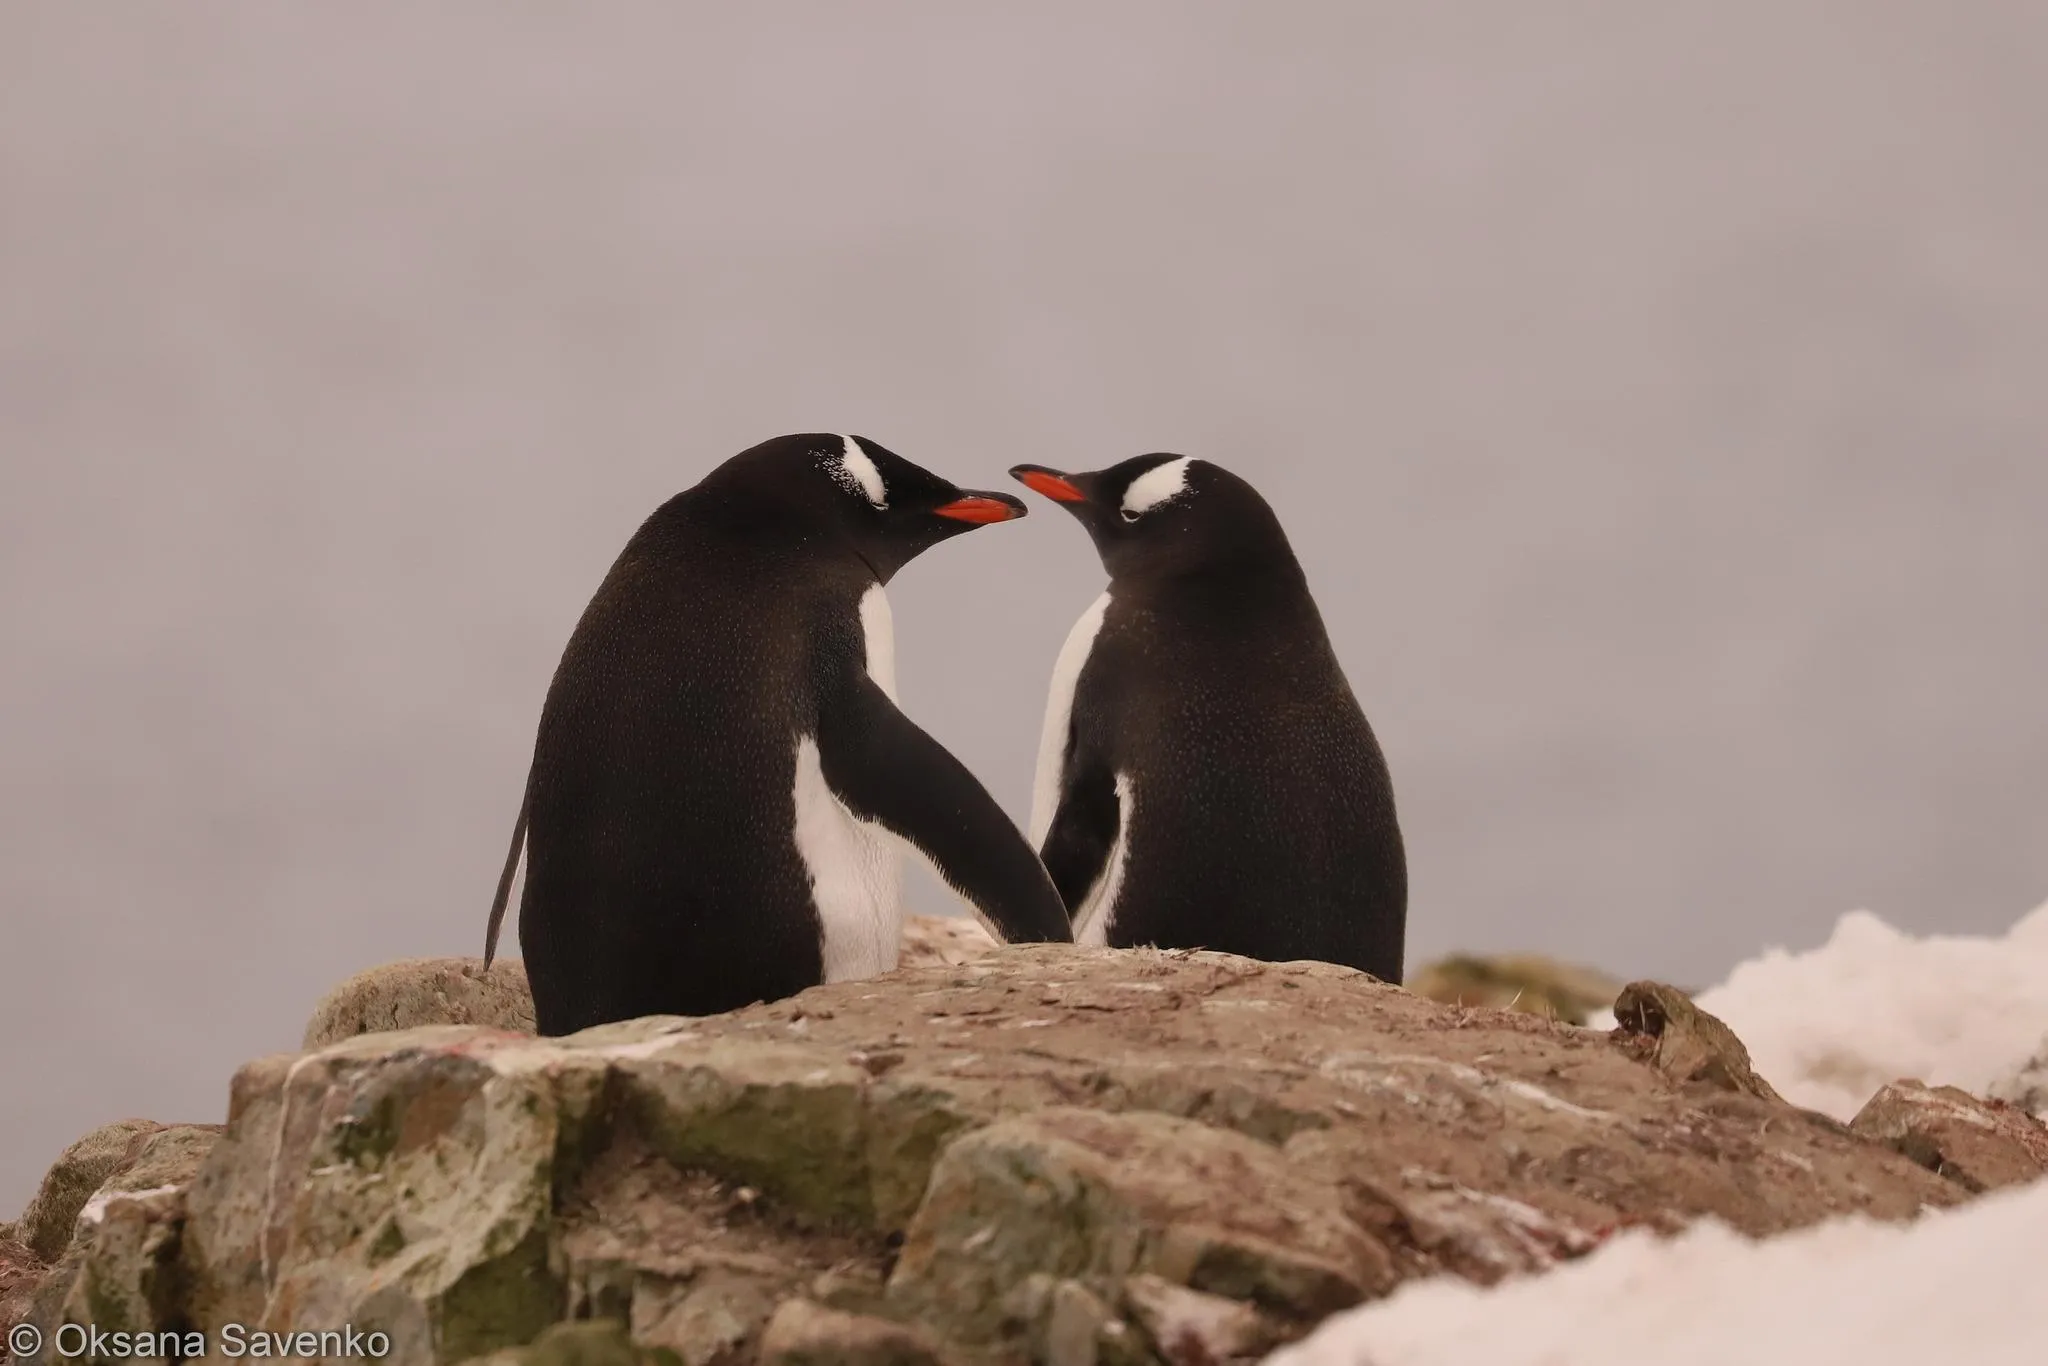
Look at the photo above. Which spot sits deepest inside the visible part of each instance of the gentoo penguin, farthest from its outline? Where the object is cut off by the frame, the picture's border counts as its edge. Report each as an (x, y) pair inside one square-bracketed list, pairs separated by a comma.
[(721, 776), (1205, 776)]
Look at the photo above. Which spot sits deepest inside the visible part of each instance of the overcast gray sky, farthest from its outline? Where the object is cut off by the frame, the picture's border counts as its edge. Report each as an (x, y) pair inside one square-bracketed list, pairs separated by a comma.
[(1657, 396)]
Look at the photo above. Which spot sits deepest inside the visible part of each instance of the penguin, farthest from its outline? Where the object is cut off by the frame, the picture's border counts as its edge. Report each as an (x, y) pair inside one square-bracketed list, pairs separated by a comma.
[(1205, 776), (722, 781)]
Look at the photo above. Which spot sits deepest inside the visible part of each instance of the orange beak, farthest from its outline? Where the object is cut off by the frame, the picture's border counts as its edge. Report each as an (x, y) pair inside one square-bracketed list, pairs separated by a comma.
[(1051, 485), (979, 509)]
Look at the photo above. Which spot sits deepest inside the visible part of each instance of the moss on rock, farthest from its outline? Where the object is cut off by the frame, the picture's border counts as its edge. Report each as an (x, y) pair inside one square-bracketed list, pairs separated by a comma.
[(1094, 1157), (506, 1301), (768, 1115), (1688, 1044), (81, 1169), (1092, 1197)]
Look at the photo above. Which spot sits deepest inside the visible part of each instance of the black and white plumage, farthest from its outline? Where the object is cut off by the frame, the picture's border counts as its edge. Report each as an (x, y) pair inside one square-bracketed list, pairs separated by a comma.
[(721, 778), (1206, 778)]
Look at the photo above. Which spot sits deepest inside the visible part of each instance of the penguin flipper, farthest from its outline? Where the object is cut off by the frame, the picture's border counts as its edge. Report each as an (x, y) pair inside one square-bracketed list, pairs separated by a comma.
[(505, 878), (1083, 831), (885, 768)]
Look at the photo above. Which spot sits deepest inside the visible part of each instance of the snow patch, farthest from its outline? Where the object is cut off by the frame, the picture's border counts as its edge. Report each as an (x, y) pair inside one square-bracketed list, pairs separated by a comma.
[(1949, 1287), (1829, 1026)]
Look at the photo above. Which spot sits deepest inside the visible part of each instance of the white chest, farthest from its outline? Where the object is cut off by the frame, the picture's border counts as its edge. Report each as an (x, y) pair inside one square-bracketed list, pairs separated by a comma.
[(1049, 780), (878, 630), (1098, 908), (855, 866)]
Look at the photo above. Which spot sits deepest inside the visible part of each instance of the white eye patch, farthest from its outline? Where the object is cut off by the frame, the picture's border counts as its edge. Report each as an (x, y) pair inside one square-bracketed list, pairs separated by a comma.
[(857, 474), (1155, 486)]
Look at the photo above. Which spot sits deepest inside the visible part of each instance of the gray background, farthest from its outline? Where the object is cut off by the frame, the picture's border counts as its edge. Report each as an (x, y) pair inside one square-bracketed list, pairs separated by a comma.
[(1655, 394)]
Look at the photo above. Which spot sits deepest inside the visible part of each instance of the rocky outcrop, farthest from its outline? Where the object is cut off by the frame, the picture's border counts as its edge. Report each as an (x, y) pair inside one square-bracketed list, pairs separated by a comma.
[(21, 1272), (2027, 1085), (1528, 982), (122, 1262), (1082, 1156), (45, 1226), (935, 939), (805, 1333), (1686, 1043), (582, 1342), (107, 1216), (424, 991), (433, 991), (1979, 1145)]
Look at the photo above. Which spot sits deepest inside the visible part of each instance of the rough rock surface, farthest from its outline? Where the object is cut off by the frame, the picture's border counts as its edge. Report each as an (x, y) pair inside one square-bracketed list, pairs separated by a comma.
[(45, 1226), (930, 939), (805, 1333), (436, 991), (424, 991), (1685, 1042), (1186, 1325), (21, 1271), (1977, 1144), (122, 1261), (1083, 1156), (1528, 982), (582, 1342), (2027, 1086)]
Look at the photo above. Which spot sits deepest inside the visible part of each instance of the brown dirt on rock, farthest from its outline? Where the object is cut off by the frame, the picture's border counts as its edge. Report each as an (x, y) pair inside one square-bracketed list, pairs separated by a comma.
[(1415, 1095), (680, 1223), (1102, 1149)]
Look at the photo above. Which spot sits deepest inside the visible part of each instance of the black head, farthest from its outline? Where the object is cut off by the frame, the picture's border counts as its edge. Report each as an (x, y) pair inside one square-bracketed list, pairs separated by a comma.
[(1164, 514), (854, 491)]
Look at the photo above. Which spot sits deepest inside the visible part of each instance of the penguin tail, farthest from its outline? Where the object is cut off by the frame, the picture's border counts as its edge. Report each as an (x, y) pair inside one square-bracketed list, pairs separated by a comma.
[(505, 878)]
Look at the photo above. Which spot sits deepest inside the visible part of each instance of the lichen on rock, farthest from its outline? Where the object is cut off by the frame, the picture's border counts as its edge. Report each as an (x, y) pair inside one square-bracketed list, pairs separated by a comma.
[(407, 1187), (1688, 1044), (1084, 1157), (1096, 1197)]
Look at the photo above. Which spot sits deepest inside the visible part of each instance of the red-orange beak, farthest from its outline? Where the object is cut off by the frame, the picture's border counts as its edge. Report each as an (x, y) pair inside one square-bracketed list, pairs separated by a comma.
[(1051, 483), (981, 508)]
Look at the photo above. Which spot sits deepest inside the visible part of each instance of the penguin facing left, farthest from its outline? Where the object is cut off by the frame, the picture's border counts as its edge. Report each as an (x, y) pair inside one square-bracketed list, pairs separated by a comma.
[(721, 778), (1206, 778)]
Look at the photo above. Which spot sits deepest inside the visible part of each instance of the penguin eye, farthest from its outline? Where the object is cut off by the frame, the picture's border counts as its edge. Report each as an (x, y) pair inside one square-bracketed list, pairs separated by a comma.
[(1130, 516)]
